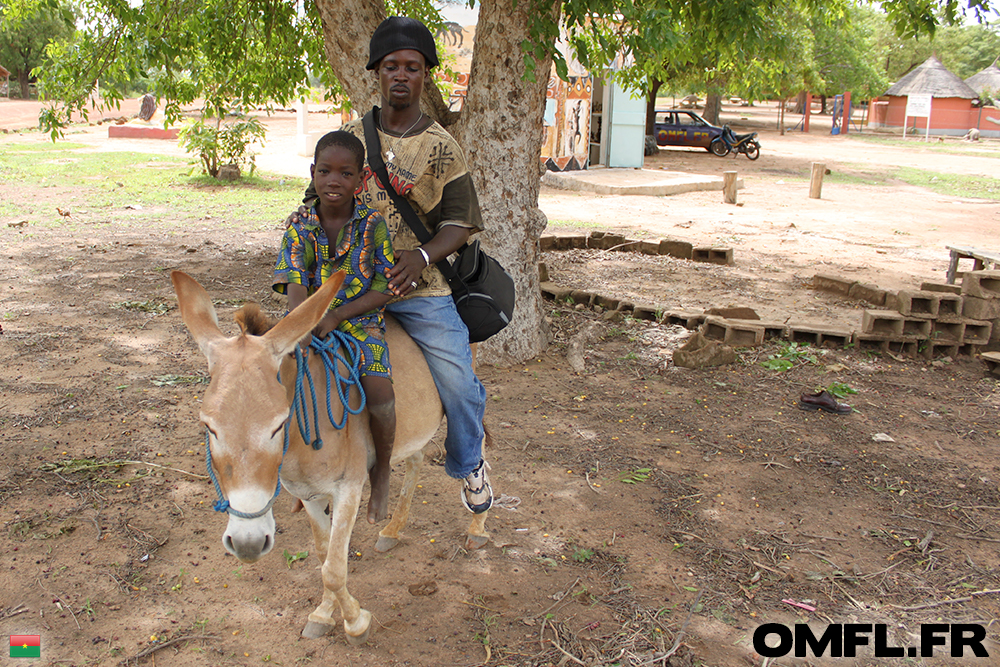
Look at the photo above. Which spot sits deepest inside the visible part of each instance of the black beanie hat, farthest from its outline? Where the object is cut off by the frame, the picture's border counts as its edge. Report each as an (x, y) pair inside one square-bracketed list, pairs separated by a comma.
[(401, 32)]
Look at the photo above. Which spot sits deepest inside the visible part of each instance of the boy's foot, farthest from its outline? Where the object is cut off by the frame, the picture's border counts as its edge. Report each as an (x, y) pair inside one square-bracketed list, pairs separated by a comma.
[(378, 504), (477, 495)]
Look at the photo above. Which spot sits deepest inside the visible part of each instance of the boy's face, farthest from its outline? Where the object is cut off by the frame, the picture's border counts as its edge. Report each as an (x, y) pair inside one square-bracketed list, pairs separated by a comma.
[(401, 76), (337, 175)]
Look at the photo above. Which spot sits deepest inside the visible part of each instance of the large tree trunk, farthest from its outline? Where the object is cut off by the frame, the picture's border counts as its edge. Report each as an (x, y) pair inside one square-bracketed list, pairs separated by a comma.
[(713, 105), (501, 130), (500, 127), (347, 27)]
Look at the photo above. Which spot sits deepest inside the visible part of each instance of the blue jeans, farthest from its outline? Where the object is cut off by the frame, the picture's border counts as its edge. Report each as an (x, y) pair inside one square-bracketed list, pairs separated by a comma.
[(434, 324)]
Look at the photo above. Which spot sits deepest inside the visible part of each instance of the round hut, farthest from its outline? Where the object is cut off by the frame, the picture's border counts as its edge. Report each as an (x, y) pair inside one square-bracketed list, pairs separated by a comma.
[(987, 81), (951, 106)]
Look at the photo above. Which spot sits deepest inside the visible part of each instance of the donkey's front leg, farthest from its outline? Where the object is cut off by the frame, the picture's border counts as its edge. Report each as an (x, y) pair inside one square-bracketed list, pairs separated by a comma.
[(357, 621)]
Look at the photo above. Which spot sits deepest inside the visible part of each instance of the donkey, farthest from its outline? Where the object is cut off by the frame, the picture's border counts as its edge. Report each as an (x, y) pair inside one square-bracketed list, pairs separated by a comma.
[(246, 410)]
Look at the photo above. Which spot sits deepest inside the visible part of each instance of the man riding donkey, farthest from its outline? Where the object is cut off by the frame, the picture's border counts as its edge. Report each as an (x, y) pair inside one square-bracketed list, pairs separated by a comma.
[(427, 167)]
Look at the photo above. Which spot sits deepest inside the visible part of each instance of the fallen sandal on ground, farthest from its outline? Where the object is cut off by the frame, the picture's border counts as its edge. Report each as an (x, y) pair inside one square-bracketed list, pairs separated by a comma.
[(823, 401)]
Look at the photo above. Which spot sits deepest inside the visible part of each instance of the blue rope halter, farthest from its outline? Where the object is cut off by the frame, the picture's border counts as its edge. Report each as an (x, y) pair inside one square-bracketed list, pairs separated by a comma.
[(329, 352)]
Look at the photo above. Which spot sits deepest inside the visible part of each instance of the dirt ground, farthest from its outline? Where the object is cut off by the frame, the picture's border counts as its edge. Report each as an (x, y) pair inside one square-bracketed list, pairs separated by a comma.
[(651, 515)]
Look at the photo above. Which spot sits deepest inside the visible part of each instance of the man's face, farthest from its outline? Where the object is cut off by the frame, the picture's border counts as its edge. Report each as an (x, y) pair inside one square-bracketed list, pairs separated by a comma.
[(401, 77)]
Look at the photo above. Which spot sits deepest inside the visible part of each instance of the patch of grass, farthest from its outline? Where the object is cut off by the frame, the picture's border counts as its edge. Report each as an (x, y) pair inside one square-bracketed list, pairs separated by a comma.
[(955, 185), (917, 143), (159, 188)]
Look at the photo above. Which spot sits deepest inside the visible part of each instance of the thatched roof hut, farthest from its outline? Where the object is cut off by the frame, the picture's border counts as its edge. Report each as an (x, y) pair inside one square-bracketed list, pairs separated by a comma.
[(932, 78), (988, 79)]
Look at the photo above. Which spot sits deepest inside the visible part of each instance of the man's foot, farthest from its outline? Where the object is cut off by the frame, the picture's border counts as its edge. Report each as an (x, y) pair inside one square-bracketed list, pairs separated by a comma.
[(378, 504), (477, 495)]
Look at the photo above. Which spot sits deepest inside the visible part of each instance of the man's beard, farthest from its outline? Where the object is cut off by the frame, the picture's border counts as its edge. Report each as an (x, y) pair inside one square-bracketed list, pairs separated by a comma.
[(399, 105)]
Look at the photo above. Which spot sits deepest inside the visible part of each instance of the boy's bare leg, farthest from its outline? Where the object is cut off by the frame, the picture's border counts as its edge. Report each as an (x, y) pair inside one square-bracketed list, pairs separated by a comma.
[(382, 419)]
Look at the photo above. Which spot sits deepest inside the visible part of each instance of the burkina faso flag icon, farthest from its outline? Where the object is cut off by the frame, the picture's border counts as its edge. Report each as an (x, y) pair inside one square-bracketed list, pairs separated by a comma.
[(25, 646)]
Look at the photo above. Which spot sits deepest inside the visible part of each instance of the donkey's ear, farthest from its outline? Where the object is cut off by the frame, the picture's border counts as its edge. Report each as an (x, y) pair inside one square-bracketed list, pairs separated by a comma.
[(289, 331), (197, 310)]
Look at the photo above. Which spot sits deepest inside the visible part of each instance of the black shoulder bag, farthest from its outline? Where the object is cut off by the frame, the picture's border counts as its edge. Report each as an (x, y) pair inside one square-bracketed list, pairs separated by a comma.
[(483, 291)]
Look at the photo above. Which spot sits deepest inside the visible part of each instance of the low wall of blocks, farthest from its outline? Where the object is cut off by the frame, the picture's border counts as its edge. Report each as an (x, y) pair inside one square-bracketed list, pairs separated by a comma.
[(670, 247), (935, 321)]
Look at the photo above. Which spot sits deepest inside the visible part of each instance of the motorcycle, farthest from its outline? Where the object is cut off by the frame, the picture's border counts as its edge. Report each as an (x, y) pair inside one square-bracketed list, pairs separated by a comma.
[(729, 142)]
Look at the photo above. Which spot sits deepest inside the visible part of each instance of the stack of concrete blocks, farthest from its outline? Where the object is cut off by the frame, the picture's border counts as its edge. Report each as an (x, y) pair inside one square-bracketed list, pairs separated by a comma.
[(938, 320)]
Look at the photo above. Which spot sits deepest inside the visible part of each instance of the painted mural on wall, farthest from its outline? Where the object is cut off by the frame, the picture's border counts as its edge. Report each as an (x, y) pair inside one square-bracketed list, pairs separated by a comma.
[(567, 103), (567, 123)]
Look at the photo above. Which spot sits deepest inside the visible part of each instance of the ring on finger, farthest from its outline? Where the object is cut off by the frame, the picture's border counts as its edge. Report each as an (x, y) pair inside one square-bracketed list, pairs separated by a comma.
[(413, 284)]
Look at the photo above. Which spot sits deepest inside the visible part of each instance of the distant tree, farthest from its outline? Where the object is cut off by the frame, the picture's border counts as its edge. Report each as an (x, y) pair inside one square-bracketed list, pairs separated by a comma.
[(24, 36), (964, 50)]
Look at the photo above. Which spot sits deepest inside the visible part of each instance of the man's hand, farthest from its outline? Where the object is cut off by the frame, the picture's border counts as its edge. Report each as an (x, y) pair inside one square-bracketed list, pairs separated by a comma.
[(405, 273), (296, 216)]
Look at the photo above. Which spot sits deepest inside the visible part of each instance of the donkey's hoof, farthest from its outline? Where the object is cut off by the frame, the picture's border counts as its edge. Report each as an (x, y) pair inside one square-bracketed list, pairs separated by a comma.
[(476, 541), (314, 630), (365, 619), (385, 544)]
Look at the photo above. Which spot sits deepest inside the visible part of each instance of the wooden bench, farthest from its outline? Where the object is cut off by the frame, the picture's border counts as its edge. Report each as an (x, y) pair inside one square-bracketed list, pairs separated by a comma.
[(981, 258)]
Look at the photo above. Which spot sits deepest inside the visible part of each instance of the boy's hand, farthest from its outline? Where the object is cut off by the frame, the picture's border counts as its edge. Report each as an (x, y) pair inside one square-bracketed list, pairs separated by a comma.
[(326, 325)]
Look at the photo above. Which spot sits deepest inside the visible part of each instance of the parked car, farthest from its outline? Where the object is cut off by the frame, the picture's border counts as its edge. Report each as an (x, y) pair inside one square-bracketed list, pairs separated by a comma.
[(678, 127)]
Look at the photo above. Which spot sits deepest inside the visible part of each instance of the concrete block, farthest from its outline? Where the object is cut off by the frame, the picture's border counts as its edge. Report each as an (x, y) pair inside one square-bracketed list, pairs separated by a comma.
[(916, 303), (577, 242), (873, 294), (713, 255), (829, 283), (553, 291), (978, 308), (819, 336), (886, 322), (919, 328), (936, 350), (645, 313), (649, 247), (940, 287), (885, 343), (992, 361), (679, 249), (582, 296), (606, 302), (947, 332), (949, 306), (736, 313), (984, 284), (732, 333), (547, 242), (543, 272), (977, 332), (689, 319), (626, 306), (970, 349)]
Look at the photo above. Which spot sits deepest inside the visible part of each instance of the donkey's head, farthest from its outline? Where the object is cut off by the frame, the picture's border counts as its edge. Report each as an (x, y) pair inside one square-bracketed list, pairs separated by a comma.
[(245, 408)]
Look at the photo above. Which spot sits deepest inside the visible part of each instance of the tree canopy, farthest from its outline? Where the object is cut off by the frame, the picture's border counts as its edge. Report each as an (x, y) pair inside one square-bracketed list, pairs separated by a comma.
[(25, 33)]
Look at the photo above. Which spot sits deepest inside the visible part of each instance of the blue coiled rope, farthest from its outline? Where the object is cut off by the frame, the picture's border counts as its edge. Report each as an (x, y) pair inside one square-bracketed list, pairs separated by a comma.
[(329, 352)]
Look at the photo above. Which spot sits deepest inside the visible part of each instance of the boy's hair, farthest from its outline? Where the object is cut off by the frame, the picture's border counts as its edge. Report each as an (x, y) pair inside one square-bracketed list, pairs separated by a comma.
[(341, 139)]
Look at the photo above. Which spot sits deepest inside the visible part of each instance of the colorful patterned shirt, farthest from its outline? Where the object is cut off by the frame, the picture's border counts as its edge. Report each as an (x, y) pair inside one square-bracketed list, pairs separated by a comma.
[(362, 250)]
